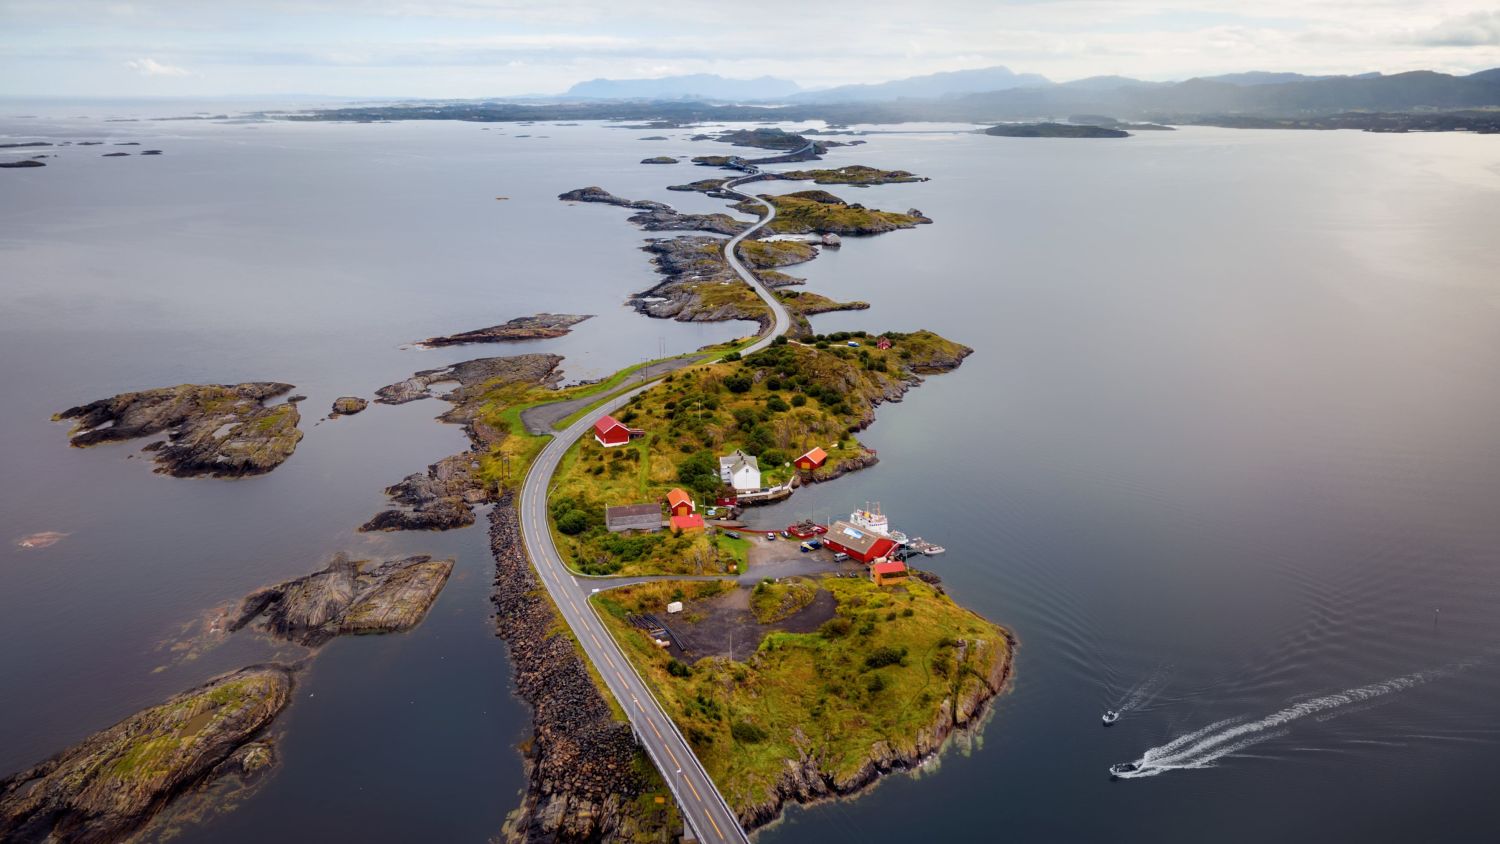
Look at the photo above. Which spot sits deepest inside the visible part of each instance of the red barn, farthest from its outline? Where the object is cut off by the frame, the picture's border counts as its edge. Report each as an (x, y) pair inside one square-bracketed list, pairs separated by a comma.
[(687, 523), (812, 460), (680, 503), (862, 545), (611, 432)]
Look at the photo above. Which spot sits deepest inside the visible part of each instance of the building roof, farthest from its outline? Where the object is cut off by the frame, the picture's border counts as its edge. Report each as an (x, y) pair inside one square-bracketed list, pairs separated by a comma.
[(738, 460), (817, 455), (858, 541), (606, 423), (691, 522), (889, 567), (678, 496), (626, 511)]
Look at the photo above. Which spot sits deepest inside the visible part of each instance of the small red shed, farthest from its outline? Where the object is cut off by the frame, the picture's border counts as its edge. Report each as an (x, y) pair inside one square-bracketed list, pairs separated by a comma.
[(610, 432), (680, 503), (687, 523), (812, 460), (886, 571)]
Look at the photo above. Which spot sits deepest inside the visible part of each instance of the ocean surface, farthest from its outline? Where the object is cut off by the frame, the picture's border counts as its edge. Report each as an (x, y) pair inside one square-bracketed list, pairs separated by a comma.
[(1225, 456)]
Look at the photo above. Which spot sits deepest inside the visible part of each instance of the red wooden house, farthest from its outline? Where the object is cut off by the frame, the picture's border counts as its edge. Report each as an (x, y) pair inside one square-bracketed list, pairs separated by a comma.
[(680, 503), (812, 460), (611, 432)]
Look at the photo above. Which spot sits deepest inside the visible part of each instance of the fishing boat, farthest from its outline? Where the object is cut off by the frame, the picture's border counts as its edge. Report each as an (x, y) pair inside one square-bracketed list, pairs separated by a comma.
[(1110, 716)]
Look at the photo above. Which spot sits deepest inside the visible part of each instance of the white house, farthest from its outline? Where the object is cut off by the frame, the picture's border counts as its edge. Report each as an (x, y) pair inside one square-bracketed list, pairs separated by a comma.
[(740, 470)]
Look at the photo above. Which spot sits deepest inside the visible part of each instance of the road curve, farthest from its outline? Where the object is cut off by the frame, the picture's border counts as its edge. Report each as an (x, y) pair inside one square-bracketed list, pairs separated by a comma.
[(703, 807)]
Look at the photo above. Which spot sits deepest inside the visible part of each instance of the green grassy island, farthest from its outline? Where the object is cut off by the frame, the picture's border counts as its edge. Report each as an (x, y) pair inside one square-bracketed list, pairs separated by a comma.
[(833, 680), (774, 404), (810, 211)]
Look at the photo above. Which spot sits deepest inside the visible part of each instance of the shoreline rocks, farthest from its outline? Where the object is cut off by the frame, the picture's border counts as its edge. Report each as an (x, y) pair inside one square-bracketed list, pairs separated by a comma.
[(581, 778), (535, 327), (469, 374), (347, 597), (222, 430), (440, 499), (347, 406), (110, 784)]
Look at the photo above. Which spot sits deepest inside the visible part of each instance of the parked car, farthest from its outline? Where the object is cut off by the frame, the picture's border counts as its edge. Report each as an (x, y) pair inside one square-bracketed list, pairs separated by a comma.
[(805, 547), (813, 543), (732, 534), (840, 557), (771, 535)]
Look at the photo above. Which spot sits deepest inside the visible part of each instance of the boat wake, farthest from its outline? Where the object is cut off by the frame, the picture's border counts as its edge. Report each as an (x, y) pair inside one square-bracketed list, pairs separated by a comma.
[(1146, 690), (1201, 748)]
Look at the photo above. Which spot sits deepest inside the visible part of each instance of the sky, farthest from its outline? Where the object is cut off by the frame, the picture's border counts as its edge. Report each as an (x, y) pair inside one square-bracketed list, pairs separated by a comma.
[(483, 48)]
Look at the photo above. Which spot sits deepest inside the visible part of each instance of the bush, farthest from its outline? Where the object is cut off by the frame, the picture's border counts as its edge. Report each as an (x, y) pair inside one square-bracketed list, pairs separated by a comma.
[(875, 684), (677, 669), (747, 733), (799, 400), (779, 341), (732, 356), (573, 522), (775, 404), (835, 628), (885, 655), (738, 383)]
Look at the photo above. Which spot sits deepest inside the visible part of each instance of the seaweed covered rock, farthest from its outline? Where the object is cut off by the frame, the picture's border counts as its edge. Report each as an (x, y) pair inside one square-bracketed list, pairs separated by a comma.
[(470, 374), (225, 430), (350, 596), (111, 783)]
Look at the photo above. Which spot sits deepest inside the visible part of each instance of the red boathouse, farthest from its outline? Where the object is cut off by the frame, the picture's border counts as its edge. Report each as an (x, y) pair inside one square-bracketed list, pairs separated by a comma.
[(862, 545)]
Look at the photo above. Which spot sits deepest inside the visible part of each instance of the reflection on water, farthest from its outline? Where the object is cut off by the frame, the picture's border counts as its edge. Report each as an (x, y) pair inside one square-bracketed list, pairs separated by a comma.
[(1231, 411)]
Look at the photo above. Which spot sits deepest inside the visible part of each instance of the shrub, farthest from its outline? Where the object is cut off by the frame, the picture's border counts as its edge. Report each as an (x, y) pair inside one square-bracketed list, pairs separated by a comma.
[(573, 522), (875, 684), (677, 669), (738, 383), (779, 341), (835, 628), (885, 655), (732, 356), (775, 404), (747, 733), (799, 400)]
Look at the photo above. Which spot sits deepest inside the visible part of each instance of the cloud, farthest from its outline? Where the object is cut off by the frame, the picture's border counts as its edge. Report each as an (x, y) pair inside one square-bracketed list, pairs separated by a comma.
[(1480, 29), (151, 67)]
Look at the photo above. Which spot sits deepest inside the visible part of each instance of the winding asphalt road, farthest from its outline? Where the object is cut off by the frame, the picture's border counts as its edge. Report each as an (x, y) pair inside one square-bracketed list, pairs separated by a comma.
[(702, 805)]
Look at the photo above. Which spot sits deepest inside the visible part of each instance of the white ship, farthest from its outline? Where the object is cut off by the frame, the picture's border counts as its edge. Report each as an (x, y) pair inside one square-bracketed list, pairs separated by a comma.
[(874, 521)]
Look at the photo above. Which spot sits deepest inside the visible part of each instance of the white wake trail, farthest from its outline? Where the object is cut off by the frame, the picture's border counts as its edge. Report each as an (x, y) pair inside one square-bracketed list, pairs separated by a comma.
[(1201, 748)]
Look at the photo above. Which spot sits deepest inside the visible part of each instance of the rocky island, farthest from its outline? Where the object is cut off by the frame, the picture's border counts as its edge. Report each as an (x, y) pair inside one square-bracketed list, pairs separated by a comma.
[(471, 375), (659, 159), (1054, 130), (536, 327), (835, 682), (110, 784), (854, 174), (223, 430), (347, 406), (348, 597), (811, 211)]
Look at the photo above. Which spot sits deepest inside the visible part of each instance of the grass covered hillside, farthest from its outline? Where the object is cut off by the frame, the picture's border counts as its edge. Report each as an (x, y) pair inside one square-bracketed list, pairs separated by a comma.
[(879, 683), (820, 211), (854, 174), (774, 404)]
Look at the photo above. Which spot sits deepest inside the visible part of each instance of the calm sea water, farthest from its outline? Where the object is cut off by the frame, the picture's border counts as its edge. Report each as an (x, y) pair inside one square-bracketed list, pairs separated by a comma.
[(1225, 445)]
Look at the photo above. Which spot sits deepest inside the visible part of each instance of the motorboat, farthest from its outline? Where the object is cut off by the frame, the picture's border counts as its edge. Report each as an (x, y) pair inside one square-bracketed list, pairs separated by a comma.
[(1124, 768), (1110, 716)]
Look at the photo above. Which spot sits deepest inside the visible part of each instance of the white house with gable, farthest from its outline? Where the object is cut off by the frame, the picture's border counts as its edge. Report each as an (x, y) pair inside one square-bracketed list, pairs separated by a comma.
[(740, 470)]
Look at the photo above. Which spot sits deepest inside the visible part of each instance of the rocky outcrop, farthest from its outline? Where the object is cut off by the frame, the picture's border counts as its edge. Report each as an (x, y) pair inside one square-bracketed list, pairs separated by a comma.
[(807, 779), (659, 159), (347, 406), (439, 499), (219, 430), (595, 193), (699, 285), (658, 216), (580, 767), (111, 783), (471, 375), (842, 468), (350, 596), (536, 327), (26, 163)]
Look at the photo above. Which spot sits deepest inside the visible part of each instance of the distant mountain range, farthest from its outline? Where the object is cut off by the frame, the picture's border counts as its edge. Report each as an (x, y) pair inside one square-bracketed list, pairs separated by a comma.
[(702, 86), (998, 93)]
